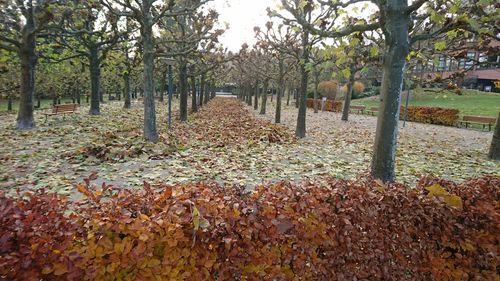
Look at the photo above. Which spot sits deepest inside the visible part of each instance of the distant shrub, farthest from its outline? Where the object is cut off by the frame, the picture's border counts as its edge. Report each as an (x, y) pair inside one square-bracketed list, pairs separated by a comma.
[(431, 115), (358, 87), (329, 89), (330, 105)]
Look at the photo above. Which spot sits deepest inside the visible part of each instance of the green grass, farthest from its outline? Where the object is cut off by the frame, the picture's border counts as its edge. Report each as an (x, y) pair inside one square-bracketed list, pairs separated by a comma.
[(471, 102), (44, 104)]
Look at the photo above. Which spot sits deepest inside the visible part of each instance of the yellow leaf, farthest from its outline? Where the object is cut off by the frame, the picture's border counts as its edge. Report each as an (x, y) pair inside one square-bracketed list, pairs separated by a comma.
[(60, 269), (436, 190), (143, 237), (144, 217), (454, 201), (47, 270), (196, 218), (118, 248)]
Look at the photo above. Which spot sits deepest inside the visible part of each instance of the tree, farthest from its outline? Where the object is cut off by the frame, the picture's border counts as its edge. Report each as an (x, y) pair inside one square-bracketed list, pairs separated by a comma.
[(399, 23), (92, 31), (148, 13), (494, 153), (21, 24)]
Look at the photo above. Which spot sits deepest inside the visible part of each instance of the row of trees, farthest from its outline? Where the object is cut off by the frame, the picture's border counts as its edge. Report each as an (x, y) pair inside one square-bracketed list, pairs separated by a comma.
[(130, 40), (315, 37)]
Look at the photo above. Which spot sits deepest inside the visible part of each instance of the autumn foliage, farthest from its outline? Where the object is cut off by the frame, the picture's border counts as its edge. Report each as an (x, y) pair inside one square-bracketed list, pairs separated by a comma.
[(330, 105), (431, 115), (329, 89), (327, 230)]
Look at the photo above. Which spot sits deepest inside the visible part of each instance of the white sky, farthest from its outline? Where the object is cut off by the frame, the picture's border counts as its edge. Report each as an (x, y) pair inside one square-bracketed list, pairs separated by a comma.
[(242, 16)]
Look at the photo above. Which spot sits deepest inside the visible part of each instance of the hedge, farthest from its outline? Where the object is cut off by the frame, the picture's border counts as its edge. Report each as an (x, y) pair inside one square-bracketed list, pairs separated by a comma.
[(431, 115), (328, 230), (334, 106)]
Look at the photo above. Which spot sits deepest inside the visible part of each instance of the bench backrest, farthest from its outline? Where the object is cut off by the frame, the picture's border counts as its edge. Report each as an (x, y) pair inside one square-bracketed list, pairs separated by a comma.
[(358, 107), (61, 108), (374, 108), (480, 119)]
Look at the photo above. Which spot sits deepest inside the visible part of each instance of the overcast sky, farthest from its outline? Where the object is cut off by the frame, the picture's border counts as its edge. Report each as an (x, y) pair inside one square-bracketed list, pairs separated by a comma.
[(242, 16)]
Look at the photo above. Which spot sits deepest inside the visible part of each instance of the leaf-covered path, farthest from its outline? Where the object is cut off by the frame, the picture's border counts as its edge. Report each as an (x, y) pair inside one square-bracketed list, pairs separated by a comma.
[(223, 142)]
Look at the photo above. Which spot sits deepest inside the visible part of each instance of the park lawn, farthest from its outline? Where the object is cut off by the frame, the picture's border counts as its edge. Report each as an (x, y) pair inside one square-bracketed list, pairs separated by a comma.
[(471, 102)]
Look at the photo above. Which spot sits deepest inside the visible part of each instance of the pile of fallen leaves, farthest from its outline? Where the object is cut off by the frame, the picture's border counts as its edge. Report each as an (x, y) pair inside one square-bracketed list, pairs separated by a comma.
[(329, 230), (225, 121)]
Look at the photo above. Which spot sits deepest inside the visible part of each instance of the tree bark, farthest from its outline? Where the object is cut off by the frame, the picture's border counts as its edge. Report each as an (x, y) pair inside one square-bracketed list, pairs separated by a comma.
[(397, 47), (288, 96), (348, 97), (126, 90), (184, 93), (315, 98), (281, 87), (163, 84), (202, 90), (194, 102), (495, 142), (256, 97), (249, 95), (300, 130), (95, 77), (150, 133), (264, 97), (28, 58)]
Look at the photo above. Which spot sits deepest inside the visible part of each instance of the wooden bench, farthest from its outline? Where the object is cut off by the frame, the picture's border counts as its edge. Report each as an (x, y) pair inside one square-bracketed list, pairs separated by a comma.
[(358, 108), (62, 109), (480, 120), (372, 111)]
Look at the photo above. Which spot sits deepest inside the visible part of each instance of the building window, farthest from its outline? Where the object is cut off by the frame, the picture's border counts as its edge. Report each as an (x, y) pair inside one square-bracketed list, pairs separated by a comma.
[(442, 64), (469, 63)]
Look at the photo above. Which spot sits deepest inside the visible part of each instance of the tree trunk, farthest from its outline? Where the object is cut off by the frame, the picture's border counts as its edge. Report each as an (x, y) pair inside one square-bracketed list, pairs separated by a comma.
[(281, 87), (78, 96), (288, 96), (315, 98), (163, 84), (95, 76), (184, 93), (202, 90), (9, 102), (397, 48), (194, 102), (264, 97), (256, 97), (150, 133), (126, 90), (207, 92), (300, 131), (28, 58), (348, 97), (495, 142), (249, 95)]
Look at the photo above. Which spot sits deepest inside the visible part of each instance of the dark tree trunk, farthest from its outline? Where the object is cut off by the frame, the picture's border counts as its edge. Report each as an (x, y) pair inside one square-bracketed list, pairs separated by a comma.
[(315, 98), (207, 92), (264, 97), (397, 47), (288, 97), (163, 84), (126, 91), (95, 76), (9, 102), (184, 94), (194, 102), (348, 96), (256, 97), (78, 97), (495, 142), (38, 101), (202, 90), (249, 95), (300, 131), (281, 87), (28, 58), (150, 133)]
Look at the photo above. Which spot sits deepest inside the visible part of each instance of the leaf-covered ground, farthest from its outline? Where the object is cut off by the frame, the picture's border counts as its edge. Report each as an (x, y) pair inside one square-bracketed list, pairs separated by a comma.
[(224, 142), (344, 149)]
